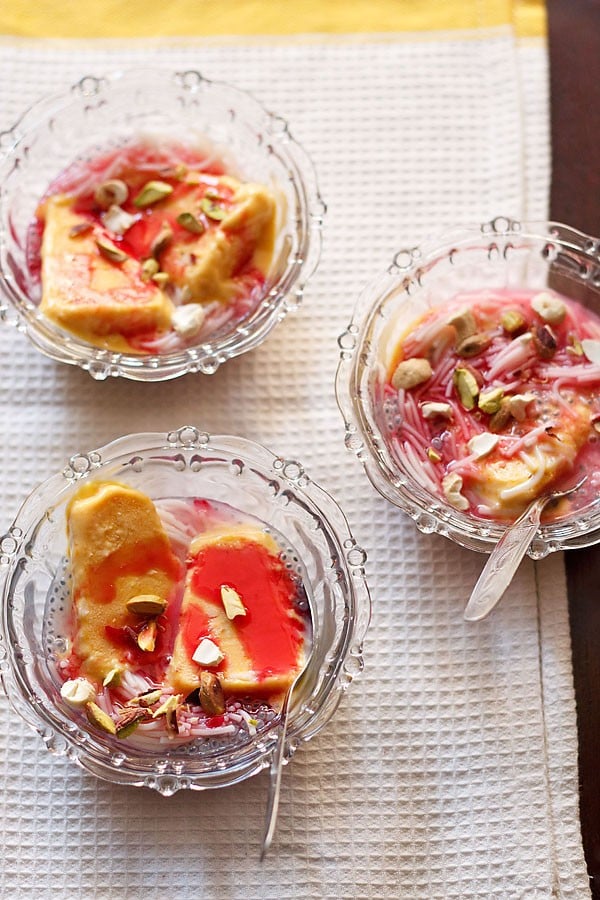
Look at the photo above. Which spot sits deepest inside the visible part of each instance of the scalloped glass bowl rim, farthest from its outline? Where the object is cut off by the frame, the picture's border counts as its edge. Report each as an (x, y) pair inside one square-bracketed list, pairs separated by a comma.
[(363, 438), (157, 769), (283, 295)]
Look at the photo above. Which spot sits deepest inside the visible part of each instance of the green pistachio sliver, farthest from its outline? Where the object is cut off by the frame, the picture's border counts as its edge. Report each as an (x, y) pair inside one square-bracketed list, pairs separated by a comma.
[(162, 240), (110, 251), (489, 401), (513, 322), (188, 221), (152, 192), (99, 718), (466, 387), (212, 210), (149, 268)]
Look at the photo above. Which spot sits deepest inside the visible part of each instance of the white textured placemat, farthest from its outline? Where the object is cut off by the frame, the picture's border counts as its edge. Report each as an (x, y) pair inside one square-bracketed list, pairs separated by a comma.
[(449, 771)]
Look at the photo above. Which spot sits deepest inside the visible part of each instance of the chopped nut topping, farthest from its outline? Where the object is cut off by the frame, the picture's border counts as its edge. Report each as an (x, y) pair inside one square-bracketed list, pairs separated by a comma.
[(161, 278), (162, 240), (489, 401), (431, 410), (210, 694), (187, 320), (129, 719), (145, 700), (464, 323), (549, 308), (482, 444), (207, 653), (152, 192), (212, 209), (117, 220), (518, 404), (591, 350), (189, 221), (78, 692), (513, 322), (452, 487), (113, 678), (146, 605), (110, 251), (502, 417), (411, 372), (99, 718), (545, 342), (80, 229), (149, 268), (466, 387), (111, 193), (232, 602), (473, 345), (433, 455), (146, 638)]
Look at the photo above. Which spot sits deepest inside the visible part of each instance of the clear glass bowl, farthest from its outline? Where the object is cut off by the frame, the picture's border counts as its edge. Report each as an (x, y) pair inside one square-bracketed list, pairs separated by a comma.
[(500, 254), (184, 463), (97, 114)]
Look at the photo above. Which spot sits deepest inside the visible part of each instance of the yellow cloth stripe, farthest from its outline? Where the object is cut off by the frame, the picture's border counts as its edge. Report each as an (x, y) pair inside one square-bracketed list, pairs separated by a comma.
[(170, 18)]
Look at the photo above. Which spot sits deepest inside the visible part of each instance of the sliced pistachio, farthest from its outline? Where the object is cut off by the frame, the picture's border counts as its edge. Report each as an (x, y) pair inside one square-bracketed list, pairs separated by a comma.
[(161, 279), (113, 192), (545, 342), (489, 401), (146, 605), (411, 372), (78, 692), (473, 345), (207, 653), (232, 602), (549, 307), (110, 251), (150, 267), (117, 220), (518, 404), (212, 209), (147, 699), (464, 323), (432, 410), (99, 718), (80, 229), (575, 347), (162, 240), (170, 703), (113, 678), (482, 444), (452, 487), (501, 417), (152, 192), (129, 719), (210, 694), (466, 387), (513, 322), (433, 455), (146, 638), (212, 193), (591, 350), (189, 221)]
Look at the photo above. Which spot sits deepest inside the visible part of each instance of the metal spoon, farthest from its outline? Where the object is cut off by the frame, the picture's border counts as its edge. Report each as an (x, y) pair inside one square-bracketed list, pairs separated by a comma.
[(277, 764), (504, 559)]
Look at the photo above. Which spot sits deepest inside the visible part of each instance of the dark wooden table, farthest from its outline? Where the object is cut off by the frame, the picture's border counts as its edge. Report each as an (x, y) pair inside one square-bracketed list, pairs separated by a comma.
[(574, 45)]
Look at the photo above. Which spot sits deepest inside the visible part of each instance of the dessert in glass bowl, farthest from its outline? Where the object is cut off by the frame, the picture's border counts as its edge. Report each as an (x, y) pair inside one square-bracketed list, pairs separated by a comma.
[(162, 593), (470, 382), (153, 223)]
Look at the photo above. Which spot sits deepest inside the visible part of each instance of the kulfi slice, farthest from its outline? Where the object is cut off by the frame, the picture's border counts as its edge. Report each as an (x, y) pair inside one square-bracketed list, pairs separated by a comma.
[(261, 648), (118, 550), (88, 288)]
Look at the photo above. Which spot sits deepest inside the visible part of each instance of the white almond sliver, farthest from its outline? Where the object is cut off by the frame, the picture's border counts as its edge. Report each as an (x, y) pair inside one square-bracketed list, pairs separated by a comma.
[(482, 444), (232, 602), (78, 692), (187, 320), (207, 653), (591, 350)]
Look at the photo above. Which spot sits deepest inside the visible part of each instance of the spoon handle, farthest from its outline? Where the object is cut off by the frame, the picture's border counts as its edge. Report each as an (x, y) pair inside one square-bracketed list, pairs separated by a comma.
[(503, 562), (275, 774)]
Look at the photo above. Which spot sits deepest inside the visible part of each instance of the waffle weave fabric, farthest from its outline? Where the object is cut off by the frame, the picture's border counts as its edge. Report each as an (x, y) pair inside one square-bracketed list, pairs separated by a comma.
[(449, 770)]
